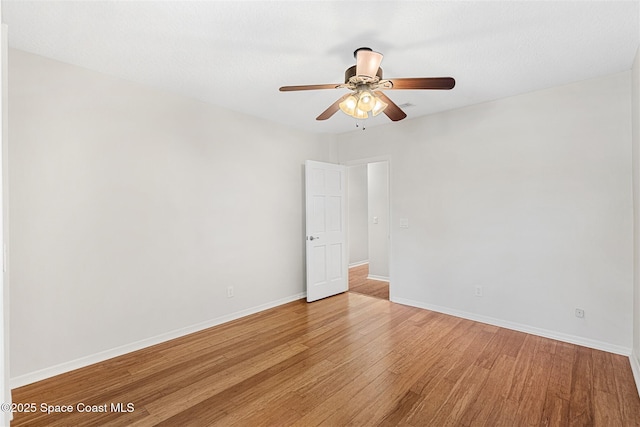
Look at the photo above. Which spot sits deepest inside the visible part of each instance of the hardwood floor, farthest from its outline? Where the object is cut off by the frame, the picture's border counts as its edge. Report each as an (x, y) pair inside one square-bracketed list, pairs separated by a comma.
[(347, 360), (358, 282)]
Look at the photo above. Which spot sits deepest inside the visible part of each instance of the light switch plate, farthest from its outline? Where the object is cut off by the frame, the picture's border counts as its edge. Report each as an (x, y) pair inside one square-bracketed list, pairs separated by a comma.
[(404, 223)]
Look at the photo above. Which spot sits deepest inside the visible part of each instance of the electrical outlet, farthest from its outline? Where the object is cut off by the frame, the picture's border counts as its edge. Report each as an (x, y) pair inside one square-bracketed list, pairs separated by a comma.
[(229, 291), (478, 291), (579, 313)]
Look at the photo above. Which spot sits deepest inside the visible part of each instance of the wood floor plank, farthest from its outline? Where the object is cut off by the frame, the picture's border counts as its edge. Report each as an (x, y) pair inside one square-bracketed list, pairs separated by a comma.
[(348, 351), (211, 385), (468, 351), (348, 360), (462, 395), (503, 342), (626, 390), (523, 364), (395, 390), (441, 360), (358, 403), (581, 401), (493, 392), (555, 411), (606, 411), (556, 406), (533, 396), (255, 393), (603, 377), (452, 364), (372, 348), (339, 403), (398, 415)]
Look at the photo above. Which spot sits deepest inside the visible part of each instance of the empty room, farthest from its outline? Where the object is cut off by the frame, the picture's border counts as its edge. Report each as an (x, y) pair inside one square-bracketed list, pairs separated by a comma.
[(186, 184)]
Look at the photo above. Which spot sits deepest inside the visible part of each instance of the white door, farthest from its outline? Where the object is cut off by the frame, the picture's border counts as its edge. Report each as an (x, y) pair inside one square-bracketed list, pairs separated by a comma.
[(326, 210)]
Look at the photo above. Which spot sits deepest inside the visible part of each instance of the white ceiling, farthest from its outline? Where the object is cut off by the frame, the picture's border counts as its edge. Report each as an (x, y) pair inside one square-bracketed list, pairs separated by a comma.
[(237, 53)]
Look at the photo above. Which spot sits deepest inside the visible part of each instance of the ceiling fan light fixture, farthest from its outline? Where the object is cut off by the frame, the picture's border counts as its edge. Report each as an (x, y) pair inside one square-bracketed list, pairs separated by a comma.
[(359, 114), (366, 100), (359, 104), (379, 106), (348, 106)]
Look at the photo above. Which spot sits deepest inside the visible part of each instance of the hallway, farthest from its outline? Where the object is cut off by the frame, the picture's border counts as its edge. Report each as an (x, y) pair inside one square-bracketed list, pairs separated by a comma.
[(358, 282)]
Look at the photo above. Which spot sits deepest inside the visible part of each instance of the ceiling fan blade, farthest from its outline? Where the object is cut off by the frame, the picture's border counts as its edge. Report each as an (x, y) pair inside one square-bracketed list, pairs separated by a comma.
[(333, 108), (367, 62), (423, 83), (309, 87), (392, 111)]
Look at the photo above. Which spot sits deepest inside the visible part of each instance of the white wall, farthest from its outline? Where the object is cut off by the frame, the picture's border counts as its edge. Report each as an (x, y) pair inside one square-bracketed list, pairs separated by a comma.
[(358, 227), (378, 207), (529, 197), (133, 210)]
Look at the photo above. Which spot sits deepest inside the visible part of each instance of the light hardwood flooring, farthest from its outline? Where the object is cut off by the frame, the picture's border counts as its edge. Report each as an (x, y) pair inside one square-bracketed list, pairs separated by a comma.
[(348, 360), (359, 282)]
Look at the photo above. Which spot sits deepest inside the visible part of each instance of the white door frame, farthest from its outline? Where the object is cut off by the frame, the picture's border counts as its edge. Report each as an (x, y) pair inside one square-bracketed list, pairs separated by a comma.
[(5, 389), (366, 161)]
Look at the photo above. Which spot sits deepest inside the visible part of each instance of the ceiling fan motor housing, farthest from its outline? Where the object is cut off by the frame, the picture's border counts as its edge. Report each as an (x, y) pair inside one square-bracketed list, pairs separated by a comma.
[(351, 72), (355, 52)]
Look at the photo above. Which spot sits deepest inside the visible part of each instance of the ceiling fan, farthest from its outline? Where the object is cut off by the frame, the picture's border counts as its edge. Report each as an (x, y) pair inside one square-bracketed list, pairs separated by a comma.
[(366, 84)]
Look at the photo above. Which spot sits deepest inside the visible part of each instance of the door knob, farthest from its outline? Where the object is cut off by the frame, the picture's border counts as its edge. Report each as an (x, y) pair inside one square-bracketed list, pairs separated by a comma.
[(313, 238)]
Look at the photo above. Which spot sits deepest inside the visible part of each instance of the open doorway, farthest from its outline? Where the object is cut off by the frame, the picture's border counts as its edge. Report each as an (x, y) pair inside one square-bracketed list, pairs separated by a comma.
[(368, 206)]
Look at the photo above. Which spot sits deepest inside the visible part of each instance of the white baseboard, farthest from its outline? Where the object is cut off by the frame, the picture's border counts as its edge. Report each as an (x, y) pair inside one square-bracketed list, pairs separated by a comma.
[(380, 278), (358, 263), (572, 339), (635, 368), (42, 374)]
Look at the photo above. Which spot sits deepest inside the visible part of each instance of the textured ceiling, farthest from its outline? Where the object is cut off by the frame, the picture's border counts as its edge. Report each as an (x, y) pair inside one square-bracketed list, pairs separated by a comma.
[(236, 54)]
